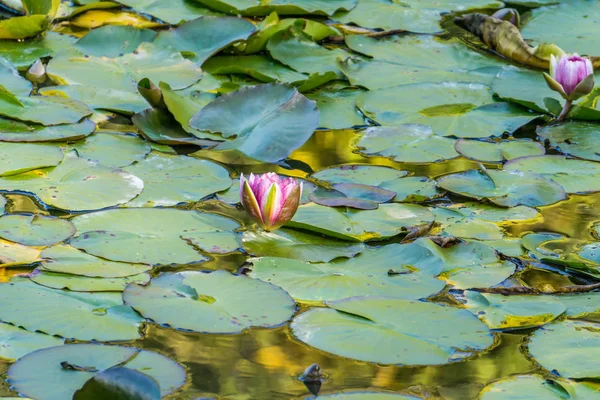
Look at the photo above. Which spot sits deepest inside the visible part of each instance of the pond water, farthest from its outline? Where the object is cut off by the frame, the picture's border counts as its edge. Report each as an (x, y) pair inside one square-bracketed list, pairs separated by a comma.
[(120, 222)]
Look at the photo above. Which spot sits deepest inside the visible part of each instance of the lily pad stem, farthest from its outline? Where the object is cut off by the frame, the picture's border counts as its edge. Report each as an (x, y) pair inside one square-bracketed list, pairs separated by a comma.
[(565, 110)]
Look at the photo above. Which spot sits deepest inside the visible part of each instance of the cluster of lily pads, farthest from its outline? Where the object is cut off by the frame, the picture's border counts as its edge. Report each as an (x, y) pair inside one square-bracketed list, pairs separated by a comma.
[(127, 123)]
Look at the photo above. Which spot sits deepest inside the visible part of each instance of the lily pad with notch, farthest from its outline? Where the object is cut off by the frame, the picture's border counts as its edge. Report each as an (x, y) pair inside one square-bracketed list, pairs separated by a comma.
[(363, 197), (35, 230)]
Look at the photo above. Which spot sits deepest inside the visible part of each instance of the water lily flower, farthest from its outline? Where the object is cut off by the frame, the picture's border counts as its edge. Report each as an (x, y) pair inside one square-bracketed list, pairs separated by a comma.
[(270, 200), (572, 76)]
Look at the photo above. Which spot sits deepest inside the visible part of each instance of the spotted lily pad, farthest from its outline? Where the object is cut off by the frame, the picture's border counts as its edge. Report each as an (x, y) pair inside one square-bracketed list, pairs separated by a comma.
[(568, 348), (269, 121), (35, 230), (64, 369), (216, 302), (513, 312), (298, 245), (69, 260), (76, 184), (376, 272), (154, 235), (44, 110), (408, 332), (360, 174), (504, 188), (21, 157), (356, 225), (83, 316), (113, 150), (173, 179)]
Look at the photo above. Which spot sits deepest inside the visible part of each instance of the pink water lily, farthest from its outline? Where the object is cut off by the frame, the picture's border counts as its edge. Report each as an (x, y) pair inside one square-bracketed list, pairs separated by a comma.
[(270, 200), (572, 76)]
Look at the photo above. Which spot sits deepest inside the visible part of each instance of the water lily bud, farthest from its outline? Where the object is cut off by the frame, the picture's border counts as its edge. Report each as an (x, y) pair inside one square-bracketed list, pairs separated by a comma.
[(508, 14), (570, 75), (270, 200), (37, 72)]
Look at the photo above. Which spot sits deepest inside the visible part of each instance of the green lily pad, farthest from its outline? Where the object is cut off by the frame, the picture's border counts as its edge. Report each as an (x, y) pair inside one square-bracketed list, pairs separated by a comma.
[(154, 235), (15, 131), (407, 143), (83, 316), (522, 86), (270, 120), (568, 348), (17, 342), (22, 54), (113, 40), (298, 245), (216, 302), (577, 139), (367, 396), (455, 223), (203, 37), (360, 174), (77, 283), (413, 189), (451, 109), (76, 184), (69, 260), (365, 275), (161, 127), (260, 67), (172, 12), (42, 109), (16, 254), (12, 81), (497, 152), (579, 13), (299, 52), (408, 332), (98, 98), (41, 375), (150, 61), (580, 305), (361, 225), (536, 387), (35, 230), (173, 179), (576, 176), (504, 188), (282, 7), (16, 158), (119, 381), (337, 107), (23, 27), (363, 197), (113, 150), (513, 312)]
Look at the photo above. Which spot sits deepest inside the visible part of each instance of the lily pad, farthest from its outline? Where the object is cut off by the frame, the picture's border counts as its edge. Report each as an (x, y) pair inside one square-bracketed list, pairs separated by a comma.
[(337, 107), (150, 61), (113, 40), (361, 174), (17, 342), (579, 13), (41, 375), (77, 283), (363, 197), (580, 305), (22, 54), (173, 12), (15, 131), (568, 348), (365, 275), (504, 188), (83, 316), (575, 176), (35, 230), (42, 109), (16, 158), (367, 396), (173, 179), (154, 235), (577, 139), (497, 152), (201, 38), (76, 184), (69, 260), (113, 150), (99, 98), (513, 312), (12, 81), (356, 225), (16, 254), (407, 143), (298, 245), (535, 387), (413, 189), (408, 332), (270, 120), (216, 302), (282, 7), (522, 86)]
